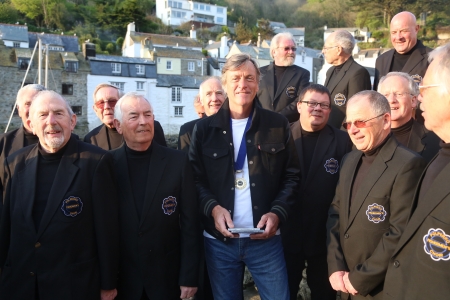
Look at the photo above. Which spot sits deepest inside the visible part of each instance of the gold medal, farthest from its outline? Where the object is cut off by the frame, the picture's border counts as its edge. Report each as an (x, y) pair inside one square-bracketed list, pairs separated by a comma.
[(240, 183)]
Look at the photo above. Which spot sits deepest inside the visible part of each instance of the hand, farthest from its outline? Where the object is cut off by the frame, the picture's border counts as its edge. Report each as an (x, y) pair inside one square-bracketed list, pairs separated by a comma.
[(187, 292), (270, 220), (337, 281), (348, 285), (108, 294), (222, 219)]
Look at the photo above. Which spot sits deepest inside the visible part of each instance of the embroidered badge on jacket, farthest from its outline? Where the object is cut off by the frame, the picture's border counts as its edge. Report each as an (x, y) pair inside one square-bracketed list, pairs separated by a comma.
[(169, 205), (331, 166), (417, 78), (437, 244), (339, 99), (376, 213), (72, 206), (290, 92)]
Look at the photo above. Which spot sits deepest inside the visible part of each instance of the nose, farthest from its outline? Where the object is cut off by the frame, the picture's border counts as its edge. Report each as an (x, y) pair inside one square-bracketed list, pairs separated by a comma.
[(353, 129), (391, 98), (51, 119), (107, 105)]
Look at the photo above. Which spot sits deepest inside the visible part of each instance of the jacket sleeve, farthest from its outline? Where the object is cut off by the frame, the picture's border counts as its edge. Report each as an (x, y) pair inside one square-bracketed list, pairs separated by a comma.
[(360, 81), (290, 111), (184, 139), (371, 273), (378, 62)]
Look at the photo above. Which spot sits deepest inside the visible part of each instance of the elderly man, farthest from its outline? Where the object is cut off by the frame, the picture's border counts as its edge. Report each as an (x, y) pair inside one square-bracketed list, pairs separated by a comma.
[(246, 172), (418, 268), (373, 199), (198, 106), (320, 150), (23, 136), (159, 244), (211, 97), (401, 91), (59, 227), (282, 81), (106, 136), (346, 77)]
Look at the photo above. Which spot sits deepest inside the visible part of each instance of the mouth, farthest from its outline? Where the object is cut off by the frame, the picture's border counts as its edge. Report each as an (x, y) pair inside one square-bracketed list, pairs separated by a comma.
[(394, 108)]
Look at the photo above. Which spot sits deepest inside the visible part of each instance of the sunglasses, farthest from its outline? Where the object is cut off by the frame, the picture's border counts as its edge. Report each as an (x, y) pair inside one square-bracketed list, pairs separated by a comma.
[(289, 48), (359, 124), (101, 104)]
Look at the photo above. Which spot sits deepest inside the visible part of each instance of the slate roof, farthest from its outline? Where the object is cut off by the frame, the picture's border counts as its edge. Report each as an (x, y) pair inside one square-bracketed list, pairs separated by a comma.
[(178, 53), (122, 59), (168, 40), (277, 24), (349, 29), (214, 45), (12, 32), (70, 43), (295, 31), (255, 52), (192, 82), (370, 52), (309, 52)]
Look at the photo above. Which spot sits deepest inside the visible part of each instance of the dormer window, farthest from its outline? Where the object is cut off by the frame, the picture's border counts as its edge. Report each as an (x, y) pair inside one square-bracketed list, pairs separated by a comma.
[(140, 69), (116, 68), (71, 66), (23, 63)]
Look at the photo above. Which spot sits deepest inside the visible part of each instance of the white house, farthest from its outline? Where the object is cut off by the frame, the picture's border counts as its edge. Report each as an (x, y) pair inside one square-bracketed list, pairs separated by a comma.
[(360, 34)]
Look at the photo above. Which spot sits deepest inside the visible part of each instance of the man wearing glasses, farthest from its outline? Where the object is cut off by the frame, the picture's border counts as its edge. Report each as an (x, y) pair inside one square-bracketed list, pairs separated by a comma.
[(106, 136), (401, 91), (345, 78), (282, 81), (372, 202), (320, 150)]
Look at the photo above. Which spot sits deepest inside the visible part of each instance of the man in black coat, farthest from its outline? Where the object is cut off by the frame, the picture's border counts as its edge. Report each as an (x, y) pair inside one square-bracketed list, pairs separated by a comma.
[(346, 77), (282, 81), (320, 150), (158, 210), (401, 91), (419, 266), (106, 136), (59, 226)]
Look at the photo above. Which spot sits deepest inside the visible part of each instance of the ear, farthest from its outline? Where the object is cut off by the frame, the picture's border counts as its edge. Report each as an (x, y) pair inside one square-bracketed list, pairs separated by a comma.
[(117, 125), (73, 121), (30, 125), (417, 28), (299, 104), (387, 121), (414, 102)]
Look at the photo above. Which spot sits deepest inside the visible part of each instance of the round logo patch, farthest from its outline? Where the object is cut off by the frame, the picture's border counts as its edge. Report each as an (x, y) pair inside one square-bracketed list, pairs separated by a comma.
[(290, 92), (417, 78), (437, 244), (331, 166), (169, 205), (72, 206), (339, 99), (376, 213)]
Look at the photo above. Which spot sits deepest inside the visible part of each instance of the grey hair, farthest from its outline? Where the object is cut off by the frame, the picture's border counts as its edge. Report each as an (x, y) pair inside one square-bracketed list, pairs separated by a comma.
[(442, 57), (276, 40), (102, 85), (412, 85), (33, 87), (118, 114), (234, 62), (378, 103), (344, 39), (200, 92), (51, 94)]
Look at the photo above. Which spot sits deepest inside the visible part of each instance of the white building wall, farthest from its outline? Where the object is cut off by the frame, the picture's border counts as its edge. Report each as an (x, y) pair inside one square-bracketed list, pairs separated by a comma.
[(306, 63), (11, 44)]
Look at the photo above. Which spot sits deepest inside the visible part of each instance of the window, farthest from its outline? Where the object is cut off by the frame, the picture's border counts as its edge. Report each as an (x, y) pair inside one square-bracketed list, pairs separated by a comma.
[(67, 89), (139, 85), (23, 63), (202, 7), (176, 94), (159, 60), (195, 5), (191, 66), (178, 111), (219, 20), (140, 69), (78, 110), (220, 10), (168, 14), (116, 68), (120, 85), (208, 8), (199, 63), (72, 66), (16, 44), (178, 14), (169, 65)]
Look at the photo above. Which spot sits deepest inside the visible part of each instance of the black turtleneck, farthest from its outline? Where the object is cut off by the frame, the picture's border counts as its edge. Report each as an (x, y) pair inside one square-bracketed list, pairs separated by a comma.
[(30, 138), (48, 164), (403, 133), (433, 170), (363, 167), (279, 72), (114, 138), (400, 60), (138, 168), (338, 68), (309, 141)]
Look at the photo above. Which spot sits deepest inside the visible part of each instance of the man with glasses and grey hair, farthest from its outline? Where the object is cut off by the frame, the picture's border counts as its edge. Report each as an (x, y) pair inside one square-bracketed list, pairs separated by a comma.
[(373, 199), (282, 81), (402, 92), (346, 77), (419, 266)]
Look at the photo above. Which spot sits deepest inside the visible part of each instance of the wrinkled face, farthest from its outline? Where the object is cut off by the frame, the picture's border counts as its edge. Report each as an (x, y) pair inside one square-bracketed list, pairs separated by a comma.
[(374, 132), (395, 89), (314, 118), (284, 55), (51, 122), (242, 86), (212, 96), (331, 50), (105, 100), (137, 124), (23, 106), (403, 33)]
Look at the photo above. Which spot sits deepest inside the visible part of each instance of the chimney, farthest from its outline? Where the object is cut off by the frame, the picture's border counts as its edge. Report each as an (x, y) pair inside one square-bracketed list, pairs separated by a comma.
[(325, 28), (258, 43), (193, 32), (224, 49), (131, 27), (88, 50)]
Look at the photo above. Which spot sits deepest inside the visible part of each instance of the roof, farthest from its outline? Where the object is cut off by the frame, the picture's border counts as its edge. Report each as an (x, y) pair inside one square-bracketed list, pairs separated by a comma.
[(70, 43), (122, 59), (277, 24), (214, 45), (12, 32), (309, 52), (294, 31), (213, 62), (370, 52), (178, 53), (168, 40), (192, 82), (349, 29), (23, 52), (68, 56), (255, 52)]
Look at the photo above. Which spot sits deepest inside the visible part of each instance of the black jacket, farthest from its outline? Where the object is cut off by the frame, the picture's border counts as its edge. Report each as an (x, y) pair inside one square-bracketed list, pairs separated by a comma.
[(284, 99), (272, 163), (423, 141), (185, 135)]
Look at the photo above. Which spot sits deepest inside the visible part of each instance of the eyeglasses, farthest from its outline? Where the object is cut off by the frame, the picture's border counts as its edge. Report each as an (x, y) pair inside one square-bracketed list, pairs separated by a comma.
[(288, 48), (424, 87), (101, 104), (326, 48), (359, 124), (314, 104), (397, 95)]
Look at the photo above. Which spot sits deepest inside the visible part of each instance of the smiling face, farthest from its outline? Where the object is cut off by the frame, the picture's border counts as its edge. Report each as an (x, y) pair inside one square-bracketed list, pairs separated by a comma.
[(314, 118), (212, 96), (105, 112), (403, 30), (50, 121), (137, 124), (282, 57)]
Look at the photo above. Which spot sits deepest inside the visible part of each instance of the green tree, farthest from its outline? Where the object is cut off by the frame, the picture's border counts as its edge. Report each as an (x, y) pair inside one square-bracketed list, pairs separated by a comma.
[(243, 33), (8, 14)]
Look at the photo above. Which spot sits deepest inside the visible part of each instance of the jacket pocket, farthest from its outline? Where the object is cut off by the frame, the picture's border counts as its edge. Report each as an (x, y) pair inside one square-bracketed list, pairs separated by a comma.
[(269, 153)]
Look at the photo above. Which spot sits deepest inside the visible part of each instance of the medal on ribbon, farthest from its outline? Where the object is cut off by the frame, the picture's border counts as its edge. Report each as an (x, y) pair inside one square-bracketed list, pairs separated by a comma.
[(240, 183)]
